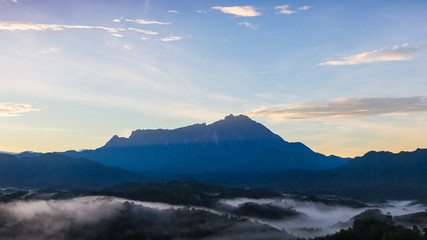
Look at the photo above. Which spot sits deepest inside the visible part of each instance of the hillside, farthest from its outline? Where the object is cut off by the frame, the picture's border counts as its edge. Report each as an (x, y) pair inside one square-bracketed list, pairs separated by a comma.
[(58, 171), (374, 176)]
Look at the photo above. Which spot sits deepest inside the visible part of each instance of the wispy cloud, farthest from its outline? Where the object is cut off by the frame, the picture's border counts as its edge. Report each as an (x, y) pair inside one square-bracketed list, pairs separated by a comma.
[(118, 19), (127, 46), (148, 32), (284, 10), (17, 127), (344, 108), (146, 22), (241, 11), (171, 38), (25, 26), (397, 53), (173, 11), (248, 25), (12, 110), (49, 50), (304, 8), (117, 35)]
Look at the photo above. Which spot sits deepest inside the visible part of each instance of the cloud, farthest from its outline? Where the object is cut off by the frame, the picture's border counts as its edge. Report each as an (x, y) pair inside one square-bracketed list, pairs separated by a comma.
[(304, 8), (49, 50), (13, 110), (148, 32), (127, 46), (397, 53), (117, 35), (248, 25), (145, 22), (15, 127), (241, 11), (24, 26), (284, 10), (118, 19), (345, 108), (173, 11), (171, 38), (144, 38)]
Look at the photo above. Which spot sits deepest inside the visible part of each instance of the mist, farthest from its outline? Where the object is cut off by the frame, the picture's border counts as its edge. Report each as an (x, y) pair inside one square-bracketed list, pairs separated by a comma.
[(115, 218), (318, 219), (102, 217)]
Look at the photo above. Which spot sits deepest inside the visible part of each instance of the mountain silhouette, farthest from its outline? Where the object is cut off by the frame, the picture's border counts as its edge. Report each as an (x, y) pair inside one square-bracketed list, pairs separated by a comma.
[(58, 171), (373, 176), (235, 143)]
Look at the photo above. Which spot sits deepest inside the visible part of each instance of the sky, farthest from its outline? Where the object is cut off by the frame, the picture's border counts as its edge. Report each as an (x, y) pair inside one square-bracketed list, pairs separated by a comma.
[(343, 77)]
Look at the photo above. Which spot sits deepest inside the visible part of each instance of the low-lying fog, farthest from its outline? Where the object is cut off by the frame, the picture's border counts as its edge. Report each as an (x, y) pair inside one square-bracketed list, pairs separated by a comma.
[(318, 219), (62, 219), (114, 218)]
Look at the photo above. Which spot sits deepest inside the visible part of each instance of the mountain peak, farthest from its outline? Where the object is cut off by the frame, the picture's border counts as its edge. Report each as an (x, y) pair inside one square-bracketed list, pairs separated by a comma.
[(239, 127), (232, 117)]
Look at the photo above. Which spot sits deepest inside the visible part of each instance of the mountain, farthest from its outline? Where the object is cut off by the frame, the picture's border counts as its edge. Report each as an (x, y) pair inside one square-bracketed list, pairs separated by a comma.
[(374, 176), (236, 143), (58, 171), (28, 154), (271, 159)]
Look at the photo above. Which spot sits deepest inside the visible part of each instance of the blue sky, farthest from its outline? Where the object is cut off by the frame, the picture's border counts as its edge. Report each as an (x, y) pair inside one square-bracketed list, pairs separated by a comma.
[(343, 77)]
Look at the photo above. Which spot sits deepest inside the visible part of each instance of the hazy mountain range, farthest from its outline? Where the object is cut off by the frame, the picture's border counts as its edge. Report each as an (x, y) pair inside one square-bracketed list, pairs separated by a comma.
[(374, 176), (235, 143), (58, 171), (234, 151)]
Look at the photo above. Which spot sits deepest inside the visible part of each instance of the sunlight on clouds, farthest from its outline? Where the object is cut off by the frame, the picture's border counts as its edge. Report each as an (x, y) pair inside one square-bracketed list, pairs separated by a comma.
[(25, 26), (117, 35), (344, 108), (248, 25), (13, 110), (145, 22), (118, 19), (171, 38), (173, 11), (127, 46), (148, 32), (397, 53), (284, 10), (17, 127), (49, 50), (241, 11), (304, 8)]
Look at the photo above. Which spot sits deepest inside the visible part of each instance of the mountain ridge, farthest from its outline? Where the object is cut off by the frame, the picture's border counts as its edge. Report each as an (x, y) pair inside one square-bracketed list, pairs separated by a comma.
[(59, 171), (223, 146), (374, 176), (230, 128)]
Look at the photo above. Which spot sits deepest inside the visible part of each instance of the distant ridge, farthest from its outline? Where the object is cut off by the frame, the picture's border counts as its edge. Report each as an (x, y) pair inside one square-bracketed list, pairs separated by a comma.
[(58, 171), (373, 176), (231, 144)]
